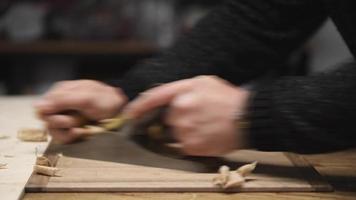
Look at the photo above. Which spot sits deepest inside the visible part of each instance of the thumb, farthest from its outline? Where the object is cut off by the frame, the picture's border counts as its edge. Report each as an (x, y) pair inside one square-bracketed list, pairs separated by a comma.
[(156, 97)]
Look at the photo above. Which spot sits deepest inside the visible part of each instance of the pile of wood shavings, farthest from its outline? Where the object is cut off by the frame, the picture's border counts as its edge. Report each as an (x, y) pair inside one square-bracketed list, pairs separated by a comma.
[(44, 166), (228, 179)]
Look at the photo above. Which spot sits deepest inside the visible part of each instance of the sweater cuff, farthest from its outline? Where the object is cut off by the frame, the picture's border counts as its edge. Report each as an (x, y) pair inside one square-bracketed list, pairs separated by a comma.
[(265, 132)]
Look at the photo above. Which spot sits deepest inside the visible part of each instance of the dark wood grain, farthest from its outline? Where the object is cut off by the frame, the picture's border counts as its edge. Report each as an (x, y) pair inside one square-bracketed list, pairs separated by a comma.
[(111, 163)]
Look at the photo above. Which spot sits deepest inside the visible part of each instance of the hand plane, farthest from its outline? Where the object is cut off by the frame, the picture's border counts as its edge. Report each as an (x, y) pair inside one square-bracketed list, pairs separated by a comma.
[(149, 131)]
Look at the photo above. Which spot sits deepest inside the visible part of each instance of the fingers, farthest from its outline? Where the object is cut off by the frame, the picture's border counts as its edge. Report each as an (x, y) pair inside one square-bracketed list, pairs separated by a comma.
[(92, 99), (63, 127), (62, 101), (63, 121), (70, 104), (158, 96), (65, 136)]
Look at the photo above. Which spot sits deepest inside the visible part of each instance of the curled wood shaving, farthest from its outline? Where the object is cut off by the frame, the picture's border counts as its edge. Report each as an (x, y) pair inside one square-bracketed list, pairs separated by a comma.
[(45, 170), (228, 179), (44, 166), (3, 165), (246, 170), (224, 171), (43, 161), (235, 180), (32, 135), (223, 177)]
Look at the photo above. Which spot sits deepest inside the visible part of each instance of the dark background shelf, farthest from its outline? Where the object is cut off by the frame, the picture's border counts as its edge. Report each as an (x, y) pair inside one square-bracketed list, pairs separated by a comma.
[(44, 41)]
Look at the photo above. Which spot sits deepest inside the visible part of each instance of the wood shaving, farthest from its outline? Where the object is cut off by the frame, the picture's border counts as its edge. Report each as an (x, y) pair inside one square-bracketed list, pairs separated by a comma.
[(32, 135), (44, 166), (235, 180), (3, 136), (93, 130), (113, 123), (45, 170), (246, 170), (228, 179), (3, 165), (223, 177), (104, 126), (43, 161)]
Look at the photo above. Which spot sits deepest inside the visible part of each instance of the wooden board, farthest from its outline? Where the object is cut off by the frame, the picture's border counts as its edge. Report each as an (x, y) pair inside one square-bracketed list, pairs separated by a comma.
[(109, 163)]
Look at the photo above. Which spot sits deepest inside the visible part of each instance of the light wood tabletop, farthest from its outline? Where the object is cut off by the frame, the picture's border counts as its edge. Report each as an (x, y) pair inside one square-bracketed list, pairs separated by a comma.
[(338, 168), (16, 113)]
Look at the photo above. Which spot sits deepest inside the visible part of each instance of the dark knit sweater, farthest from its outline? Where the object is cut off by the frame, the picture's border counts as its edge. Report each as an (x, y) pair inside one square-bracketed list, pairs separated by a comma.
[(245, 39)]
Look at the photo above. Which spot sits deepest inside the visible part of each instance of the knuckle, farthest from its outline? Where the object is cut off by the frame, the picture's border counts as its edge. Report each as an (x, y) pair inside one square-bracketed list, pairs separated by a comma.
[(207, 78), (62, 84), (145, 95), (86, 101), (185, 103), (204, 77), (56, 122), (57, 96), (118, 90), (91, 84), (191, 83), (71, 122), (87, 81), (183, 125), (122, 98), (201, 77)]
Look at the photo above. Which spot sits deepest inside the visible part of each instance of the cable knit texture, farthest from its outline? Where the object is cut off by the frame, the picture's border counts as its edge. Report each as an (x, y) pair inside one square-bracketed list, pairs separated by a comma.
[(242, 40)]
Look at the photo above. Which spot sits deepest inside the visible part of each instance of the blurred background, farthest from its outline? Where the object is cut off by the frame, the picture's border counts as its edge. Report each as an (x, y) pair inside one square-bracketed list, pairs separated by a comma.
[(44, 41)]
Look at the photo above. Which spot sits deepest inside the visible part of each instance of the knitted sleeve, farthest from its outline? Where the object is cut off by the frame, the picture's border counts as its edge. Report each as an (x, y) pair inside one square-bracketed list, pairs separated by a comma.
[(238, 41), (306, 114)]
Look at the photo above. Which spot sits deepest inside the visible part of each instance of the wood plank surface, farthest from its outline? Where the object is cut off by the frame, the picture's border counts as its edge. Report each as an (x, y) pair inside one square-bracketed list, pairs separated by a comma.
[(339, 168), (110, 163)]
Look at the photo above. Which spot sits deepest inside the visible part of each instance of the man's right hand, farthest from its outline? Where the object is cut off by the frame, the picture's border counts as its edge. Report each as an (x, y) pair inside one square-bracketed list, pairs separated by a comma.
[(70, 104)]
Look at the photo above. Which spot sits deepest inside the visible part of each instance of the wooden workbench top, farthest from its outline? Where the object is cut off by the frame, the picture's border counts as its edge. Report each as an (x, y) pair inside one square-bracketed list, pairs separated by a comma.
[(339, 168)]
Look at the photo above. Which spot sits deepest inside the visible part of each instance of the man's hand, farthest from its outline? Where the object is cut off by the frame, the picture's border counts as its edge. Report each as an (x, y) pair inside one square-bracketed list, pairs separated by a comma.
[(201, 113), (70, 104)]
